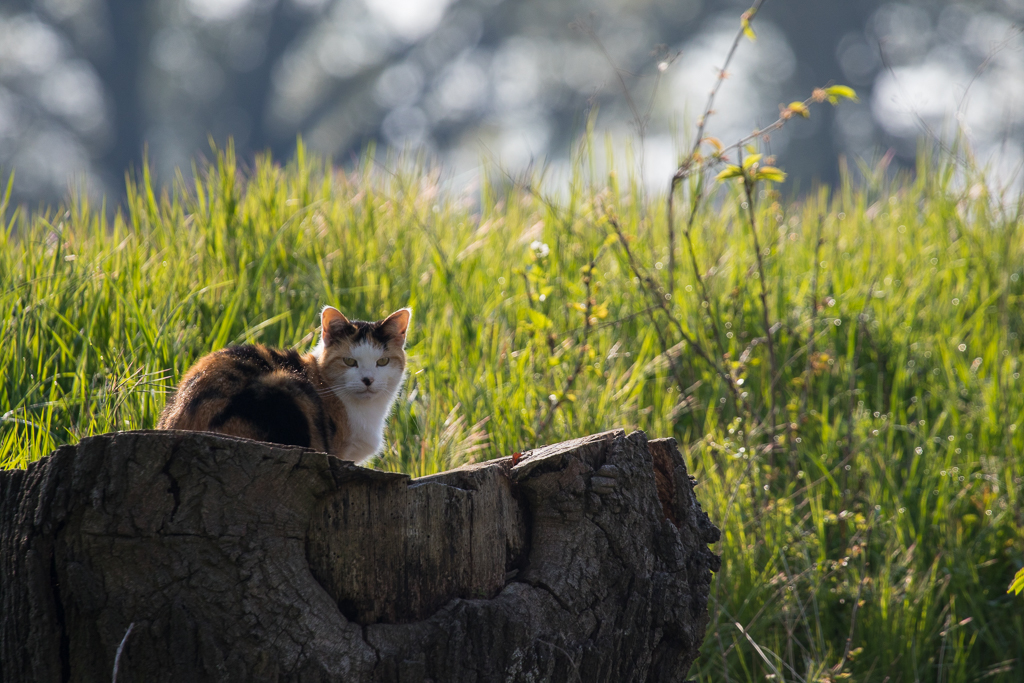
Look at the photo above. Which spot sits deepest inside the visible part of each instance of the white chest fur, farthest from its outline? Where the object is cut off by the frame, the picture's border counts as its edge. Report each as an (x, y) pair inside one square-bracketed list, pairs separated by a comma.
[(366, 426), (366, 384)]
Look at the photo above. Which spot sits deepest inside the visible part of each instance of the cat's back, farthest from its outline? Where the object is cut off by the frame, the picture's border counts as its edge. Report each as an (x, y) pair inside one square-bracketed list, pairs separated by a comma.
[(254, 392)]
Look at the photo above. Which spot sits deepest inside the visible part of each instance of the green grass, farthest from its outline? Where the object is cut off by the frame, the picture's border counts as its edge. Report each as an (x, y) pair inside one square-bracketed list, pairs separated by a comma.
[(889, 509)]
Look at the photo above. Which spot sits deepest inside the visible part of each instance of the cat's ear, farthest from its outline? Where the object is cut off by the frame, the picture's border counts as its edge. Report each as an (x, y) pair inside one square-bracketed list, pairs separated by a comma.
[(332, 322), (397, 323)]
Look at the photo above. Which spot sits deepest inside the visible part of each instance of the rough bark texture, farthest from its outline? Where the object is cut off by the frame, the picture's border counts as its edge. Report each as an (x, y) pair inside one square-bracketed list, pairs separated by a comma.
[(243, 561)]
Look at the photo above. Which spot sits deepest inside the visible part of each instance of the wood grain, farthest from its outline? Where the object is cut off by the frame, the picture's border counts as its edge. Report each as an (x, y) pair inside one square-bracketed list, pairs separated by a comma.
[(244, 561)]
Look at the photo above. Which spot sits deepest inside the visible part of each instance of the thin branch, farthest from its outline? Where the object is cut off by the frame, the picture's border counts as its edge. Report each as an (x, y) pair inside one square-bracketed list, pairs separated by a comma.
[(640, 120), (649, 286), (722, 75), (658, 305), (702, 164), (757, 648), (617, 321), (587, 28), (920, 119), (748, 188), (688, 236), (814, 317), (806, 348), (583, 348), (120, 650), (856, 605), (684, 168), (725, 666)]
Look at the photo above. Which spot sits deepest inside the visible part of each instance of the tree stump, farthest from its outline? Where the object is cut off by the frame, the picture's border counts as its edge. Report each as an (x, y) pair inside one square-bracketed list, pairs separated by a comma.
[(232, 560)]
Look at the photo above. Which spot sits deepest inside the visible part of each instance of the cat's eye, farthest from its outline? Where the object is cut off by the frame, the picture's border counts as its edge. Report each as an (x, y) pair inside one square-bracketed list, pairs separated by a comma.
[(383, 361), (351, 362)]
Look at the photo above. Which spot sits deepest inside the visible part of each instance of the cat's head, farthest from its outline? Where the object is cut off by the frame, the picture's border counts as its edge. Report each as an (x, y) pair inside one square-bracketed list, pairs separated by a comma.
[(363, 361)]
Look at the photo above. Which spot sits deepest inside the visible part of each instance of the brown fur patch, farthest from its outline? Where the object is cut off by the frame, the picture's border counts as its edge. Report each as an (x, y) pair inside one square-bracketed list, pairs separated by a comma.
[(256, 393), (281, 396)]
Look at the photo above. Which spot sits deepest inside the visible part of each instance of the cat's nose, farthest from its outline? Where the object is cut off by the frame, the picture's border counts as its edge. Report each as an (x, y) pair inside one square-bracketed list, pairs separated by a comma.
[(367, 381)]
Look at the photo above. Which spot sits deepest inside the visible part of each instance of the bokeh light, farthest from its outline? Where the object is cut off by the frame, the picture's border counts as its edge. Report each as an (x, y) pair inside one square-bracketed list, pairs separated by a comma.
[(87, 85)]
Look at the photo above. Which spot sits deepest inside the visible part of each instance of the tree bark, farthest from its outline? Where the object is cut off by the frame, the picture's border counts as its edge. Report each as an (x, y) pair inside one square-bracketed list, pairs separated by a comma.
[(233, 560)]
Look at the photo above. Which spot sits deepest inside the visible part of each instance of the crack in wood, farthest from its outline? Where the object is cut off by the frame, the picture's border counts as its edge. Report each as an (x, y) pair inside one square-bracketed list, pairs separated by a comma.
[(247, 561)]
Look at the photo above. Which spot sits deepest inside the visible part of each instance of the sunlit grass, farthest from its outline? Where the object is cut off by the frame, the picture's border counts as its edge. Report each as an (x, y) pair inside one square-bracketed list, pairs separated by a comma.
[(895, 488)]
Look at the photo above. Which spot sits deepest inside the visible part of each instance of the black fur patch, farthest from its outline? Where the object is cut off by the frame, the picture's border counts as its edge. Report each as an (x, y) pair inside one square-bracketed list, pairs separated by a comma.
[(321, 425), (191, 382), (198, 399), (272, 411), (358, 331), (288, 360), (248, 355)]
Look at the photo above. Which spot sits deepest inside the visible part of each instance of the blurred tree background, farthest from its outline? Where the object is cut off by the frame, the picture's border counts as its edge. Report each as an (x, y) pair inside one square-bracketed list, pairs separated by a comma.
[(87, 85)]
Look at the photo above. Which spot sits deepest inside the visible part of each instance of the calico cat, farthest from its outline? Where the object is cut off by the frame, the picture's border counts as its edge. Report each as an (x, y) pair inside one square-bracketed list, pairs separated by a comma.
[(333, 399)]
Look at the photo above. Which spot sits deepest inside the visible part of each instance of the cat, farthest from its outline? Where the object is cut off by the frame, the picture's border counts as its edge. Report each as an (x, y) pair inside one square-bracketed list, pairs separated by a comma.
[(334, 399)]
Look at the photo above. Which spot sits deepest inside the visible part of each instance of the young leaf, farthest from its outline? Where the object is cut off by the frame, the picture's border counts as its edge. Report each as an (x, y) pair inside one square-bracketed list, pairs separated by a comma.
[(714, 142), (730, 171), (539, 320), (776, 175), (799, 108), (836, 92), (1018, 583), (747, 31), (745, 23), (751, 160)]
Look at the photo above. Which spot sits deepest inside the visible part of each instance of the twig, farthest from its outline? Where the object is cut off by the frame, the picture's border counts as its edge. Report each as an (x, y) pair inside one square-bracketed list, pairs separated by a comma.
[(748, 16), (650, 287), (567, 655), (658, 305), (920, 119), (686, 166), (582, 358), (778, 674), (852, 384), (856, 606), (617, 321), (725, 666), (529, 295), (698, 195), (748, 187), (806, 348), (640, 119), (800, 605), (120, 650), (996, 49), (702, 164), (814, 317)]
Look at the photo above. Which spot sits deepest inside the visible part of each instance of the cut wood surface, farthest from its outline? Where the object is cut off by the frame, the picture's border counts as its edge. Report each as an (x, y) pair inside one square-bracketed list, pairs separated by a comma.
[(233, 560)]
